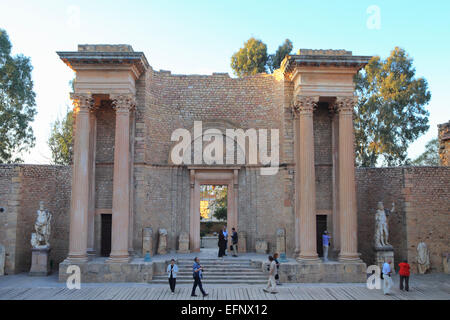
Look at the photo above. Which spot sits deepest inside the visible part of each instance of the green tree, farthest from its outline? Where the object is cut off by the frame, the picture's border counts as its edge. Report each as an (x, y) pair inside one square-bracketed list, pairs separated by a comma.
[(17, 104), (430, 157), (251, 59), (220, 212), (274, 60), (60, 141), (390, 113)]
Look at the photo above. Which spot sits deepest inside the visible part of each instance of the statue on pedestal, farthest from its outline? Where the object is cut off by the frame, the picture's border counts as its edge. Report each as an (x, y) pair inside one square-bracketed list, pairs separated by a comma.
[(423, 257), (162, 244), (381, 225), (40, 243), (40, 239)]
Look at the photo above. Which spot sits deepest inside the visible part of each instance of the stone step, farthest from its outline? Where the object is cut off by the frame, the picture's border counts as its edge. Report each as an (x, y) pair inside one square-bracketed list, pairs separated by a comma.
[(221, 281), (241, 272)]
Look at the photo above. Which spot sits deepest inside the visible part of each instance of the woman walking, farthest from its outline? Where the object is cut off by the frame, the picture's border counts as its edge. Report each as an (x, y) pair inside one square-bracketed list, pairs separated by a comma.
[(172, 270)]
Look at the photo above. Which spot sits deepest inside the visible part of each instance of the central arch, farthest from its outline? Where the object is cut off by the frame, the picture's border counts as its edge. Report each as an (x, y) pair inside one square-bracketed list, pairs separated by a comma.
[(200, 175)]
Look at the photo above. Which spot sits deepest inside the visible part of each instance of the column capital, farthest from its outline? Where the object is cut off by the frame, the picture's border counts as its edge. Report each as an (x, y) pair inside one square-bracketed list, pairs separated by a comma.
[(123, 102), (305, 105), (344, 105), (83, 102)]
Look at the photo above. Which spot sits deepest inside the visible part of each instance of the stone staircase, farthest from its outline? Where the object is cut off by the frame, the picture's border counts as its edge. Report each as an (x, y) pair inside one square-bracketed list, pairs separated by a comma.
[(218, 271)]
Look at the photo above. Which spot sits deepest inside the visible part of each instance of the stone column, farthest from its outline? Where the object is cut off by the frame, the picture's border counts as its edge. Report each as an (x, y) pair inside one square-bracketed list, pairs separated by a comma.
[(121, 183), (91, 210), (83, 103), (307, 195), (347, 191)]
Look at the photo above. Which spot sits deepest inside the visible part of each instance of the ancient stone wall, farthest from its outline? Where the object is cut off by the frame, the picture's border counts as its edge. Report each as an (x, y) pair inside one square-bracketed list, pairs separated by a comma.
[(421, 214), (444, 143), (28, 185)]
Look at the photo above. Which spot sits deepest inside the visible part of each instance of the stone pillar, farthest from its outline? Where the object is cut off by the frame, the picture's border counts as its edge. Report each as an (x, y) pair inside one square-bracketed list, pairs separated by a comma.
[(121, 183), (91, 207), (83, 103), (306, 184), (347, 191)]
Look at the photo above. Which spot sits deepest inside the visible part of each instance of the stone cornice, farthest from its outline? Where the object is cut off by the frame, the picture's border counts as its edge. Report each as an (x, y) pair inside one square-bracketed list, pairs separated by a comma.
[(75, 59)]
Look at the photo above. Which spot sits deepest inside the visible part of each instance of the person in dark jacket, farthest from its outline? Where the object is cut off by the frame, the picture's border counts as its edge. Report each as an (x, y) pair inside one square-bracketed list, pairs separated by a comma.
[(234, 241), (197, 273), (222, 244)]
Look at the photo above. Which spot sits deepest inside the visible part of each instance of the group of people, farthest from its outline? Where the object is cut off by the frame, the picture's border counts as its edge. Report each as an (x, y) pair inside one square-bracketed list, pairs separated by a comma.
[(404, 274), (274, 265), (223, 242)]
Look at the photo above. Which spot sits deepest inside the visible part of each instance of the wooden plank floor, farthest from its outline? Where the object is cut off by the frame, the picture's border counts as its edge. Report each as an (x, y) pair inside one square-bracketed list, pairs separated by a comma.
[(334, 292)]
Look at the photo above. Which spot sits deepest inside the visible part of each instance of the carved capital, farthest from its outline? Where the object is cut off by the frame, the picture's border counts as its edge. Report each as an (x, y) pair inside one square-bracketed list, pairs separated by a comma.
[(82, 102), (344, 105), (123, 103), (305, 105)]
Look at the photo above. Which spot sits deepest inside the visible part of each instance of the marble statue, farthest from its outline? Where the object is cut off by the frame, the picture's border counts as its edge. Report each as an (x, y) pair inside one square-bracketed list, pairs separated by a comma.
[(423, 257), (162, 243), (40, 239), (381, 225), (281, 241)]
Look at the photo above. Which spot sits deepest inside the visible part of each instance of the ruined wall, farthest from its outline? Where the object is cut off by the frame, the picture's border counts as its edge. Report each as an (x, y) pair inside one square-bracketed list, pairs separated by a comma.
[(444, 143), (422, 210), (28, 185)]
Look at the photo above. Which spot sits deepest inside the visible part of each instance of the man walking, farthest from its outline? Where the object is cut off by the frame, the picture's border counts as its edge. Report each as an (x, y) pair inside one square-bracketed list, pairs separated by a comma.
[(198, 275), (271, 283), (387, 281), (404, 274), (234, 240), (172, 270), (326, 244)]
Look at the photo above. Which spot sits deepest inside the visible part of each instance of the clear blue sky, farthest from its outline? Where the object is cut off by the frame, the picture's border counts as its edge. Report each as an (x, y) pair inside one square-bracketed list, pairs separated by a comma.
[(199, 37)]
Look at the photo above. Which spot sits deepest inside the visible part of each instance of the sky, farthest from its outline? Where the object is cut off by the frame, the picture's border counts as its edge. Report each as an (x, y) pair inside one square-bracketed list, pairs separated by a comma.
[(199, 37)]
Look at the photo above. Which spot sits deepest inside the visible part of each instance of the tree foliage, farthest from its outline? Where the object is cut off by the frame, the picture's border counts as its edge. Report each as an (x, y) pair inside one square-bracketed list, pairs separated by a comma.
[(390, 113), (221, 203), (251, 59), (60, 141), (17, 103), (274, 60), (430, 157)]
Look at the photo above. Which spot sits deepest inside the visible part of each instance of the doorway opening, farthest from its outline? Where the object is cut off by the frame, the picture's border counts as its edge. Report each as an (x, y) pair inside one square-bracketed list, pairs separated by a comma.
[(105, 243), (213, 213), (321, 227)]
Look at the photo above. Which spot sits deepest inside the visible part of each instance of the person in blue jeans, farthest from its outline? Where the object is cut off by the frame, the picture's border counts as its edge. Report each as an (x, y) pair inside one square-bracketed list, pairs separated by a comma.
[(197, 271), (326, 244)]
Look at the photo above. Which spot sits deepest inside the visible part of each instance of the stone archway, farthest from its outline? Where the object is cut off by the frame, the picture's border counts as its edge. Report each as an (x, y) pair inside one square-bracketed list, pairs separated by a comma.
[(213, 176)]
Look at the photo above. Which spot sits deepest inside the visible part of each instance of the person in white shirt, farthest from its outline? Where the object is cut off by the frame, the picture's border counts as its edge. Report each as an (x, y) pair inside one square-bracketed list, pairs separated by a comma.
[(387, 280), (172, 270), (271, 283)]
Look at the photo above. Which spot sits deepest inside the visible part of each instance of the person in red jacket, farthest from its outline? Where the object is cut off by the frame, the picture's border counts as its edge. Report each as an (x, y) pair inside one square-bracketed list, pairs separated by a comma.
[(404, 274)]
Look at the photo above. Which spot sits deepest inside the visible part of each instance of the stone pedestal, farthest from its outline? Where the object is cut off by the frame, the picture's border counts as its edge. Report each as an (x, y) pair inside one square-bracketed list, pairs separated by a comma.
[(40, 262), (147, 241), (383, 254), (183, 243), (2, 260), (281, 241), (162, 243), (445, 262), (261, 246), (242, 242)]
